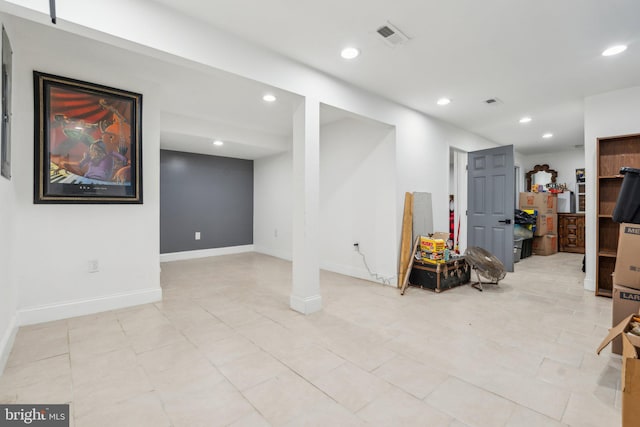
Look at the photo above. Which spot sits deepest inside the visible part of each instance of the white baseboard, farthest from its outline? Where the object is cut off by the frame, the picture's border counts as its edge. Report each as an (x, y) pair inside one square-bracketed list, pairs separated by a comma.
[(273, 252), (306, 305), (204, 253), (6, 342), (359, 273), (64, 310)]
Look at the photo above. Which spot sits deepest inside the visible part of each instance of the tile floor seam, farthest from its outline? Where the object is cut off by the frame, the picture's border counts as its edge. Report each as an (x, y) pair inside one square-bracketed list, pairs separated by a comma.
[(566, 405), (506, 398)]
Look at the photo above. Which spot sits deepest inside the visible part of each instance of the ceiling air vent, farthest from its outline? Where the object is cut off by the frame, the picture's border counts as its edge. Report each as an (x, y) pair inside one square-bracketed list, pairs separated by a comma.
[(492, 101), (392, 35)]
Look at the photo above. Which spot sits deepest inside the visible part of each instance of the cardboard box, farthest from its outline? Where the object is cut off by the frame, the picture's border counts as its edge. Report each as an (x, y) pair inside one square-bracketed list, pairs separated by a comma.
[(545, 245), (542, 202), (431, 245), (441, 235), (626, 301), (630, 384), (546, 224), (627, 271), (531, 227)]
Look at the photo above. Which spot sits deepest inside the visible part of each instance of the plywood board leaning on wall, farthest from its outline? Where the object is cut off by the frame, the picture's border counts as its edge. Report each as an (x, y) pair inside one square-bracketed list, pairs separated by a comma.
[(406, 240)]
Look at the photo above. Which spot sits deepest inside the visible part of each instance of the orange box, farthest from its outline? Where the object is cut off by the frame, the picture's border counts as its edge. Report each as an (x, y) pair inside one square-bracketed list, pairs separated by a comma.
[(545, 203), (546, 224), (545, 245)]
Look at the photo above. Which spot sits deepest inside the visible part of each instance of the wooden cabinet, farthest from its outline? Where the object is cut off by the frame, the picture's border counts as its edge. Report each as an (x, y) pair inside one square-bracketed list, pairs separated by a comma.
[(613, 153), (571, 232)]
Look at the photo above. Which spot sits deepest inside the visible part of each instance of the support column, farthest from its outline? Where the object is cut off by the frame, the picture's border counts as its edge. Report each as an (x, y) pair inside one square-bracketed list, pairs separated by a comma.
[(305, 292)]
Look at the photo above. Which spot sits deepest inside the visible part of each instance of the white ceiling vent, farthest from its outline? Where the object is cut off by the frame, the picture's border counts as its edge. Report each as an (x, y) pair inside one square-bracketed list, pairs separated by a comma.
[(392, 35)]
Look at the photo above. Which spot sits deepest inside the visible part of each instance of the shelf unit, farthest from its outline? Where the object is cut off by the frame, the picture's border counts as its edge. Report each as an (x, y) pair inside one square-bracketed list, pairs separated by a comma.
[(613, 154), (581, 194)]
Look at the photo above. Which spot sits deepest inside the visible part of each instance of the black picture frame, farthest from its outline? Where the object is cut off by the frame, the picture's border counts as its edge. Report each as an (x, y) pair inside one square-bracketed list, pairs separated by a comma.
[(5, 143), (88, 142)]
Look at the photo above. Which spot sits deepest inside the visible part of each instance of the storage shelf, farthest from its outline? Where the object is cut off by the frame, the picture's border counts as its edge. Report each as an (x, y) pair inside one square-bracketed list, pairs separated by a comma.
[(613, 153), (609, 254), (604, 293)]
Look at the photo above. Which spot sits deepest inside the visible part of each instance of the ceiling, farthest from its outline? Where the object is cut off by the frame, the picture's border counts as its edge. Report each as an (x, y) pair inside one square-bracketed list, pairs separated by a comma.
[(198, 104), (539, 58)]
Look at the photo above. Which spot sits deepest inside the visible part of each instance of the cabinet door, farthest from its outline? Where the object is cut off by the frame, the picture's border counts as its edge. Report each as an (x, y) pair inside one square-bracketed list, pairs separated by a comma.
[(580, 233), (562, 233)]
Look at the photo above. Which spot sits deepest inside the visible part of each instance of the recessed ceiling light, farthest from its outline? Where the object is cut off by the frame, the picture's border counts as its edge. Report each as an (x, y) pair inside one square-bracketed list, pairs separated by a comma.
[(525, 120), (269, 98), (444, 101), (547, 135), (614, 50), (218, 143), (349, 53)]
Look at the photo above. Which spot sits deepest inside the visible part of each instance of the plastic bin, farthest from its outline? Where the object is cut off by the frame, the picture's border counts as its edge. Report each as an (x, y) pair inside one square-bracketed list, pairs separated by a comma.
[(517, 249), (527, 248), (628, 204)]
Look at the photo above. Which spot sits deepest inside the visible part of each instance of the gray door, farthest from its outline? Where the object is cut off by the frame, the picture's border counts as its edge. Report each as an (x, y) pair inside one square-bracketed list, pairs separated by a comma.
[(491, 202)]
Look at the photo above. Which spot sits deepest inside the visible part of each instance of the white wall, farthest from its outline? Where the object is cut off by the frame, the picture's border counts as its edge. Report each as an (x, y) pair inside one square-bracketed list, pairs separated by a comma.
[(422, 142), (357, 199), (8, 300), (8, 304), (609, 114), (52, 244), (564, 162), (273, 205)]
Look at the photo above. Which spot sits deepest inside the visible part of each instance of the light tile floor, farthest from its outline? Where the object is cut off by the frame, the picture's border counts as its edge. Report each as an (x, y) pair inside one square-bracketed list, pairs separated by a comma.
[(224, 349)]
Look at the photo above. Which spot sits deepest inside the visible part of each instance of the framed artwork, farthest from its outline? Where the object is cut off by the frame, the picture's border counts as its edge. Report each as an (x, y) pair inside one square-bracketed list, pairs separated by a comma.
[(580, 175), (5, 143), (88, 142)]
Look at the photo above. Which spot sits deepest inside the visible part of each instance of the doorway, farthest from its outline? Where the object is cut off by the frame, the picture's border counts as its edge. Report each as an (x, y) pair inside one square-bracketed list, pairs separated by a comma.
[(458, 196)]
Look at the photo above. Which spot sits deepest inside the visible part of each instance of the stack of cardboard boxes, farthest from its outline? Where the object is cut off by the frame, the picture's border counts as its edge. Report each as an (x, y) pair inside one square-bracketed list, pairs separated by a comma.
[(545, 240), (630, 381), (626, 306), (626, 277)]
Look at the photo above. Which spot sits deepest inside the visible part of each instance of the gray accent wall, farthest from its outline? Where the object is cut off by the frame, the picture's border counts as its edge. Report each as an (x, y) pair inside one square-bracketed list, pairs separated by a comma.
[(209, 194)]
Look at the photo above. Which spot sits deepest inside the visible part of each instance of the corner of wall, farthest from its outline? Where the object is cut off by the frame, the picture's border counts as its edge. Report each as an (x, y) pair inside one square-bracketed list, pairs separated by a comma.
[(6, 342), (589, 284)]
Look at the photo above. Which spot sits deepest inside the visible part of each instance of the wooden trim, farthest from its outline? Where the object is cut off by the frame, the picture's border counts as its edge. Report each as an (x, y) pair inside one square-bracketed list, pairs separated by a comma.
[(407, 237)]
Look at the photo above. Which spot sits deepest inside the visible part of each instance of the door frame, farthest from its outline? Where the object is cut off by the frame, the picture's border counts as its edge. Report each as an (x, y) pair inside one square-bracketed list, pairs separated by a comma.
[(458, 187)]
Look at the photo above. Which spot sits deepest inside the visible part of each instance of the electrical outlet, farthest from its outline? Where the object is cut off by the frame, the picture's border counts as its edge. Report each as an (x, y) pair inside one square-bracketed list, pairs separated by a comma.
[(356, 246), (197, 235), (93, 266)]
